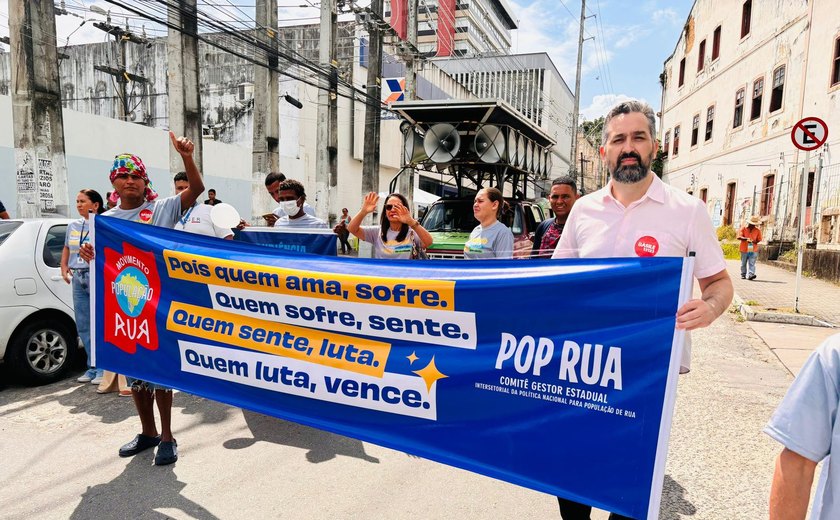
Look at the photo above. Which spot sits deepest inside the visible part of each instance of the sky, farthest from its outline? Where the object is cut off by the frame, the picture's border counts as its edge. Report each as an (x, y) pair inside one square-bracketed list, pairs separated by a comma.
[(630, 38)]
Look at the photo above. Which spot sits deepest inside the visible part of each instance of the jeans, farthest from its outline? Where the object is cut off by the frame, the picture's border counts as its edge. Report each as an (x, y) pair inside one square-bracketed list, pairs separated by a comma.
[(81, 307), (747, 265)]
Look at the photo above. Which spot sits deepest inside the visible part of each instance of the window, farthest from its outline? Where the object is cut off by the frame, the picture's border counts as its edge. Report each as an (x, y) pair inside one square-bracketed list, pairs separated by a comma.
[(682, 73), (676, 140), (701, 55), (710, 122), (704, 194), (739, 109), (778, 89), (758, 90), (746, 15), (716, 44), (767, 186), (695, 129), (835, 68), (53, 245), (667, 143)]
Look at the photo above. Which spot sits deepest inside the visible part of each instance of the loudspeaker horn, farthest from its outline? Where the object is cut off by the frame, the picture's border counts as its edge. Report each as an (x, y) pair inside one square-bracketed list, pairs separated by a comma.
[(512, 149), (489, 144), (442, 143), (413, 152)]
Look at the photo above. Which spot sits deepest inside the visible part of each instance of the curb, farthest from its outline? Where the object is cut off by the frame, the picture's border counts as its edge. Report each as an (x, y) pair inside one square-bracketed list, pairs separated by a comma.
[(752, 314)]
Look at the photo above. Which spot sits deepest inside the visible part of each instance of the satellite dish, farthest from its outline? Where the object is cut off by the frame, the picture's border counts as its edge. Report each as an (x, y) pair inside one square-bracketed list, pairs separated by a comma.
[(520, 151), (224, 215), (537, 165), (413, 152), (528, 155), (489, 144), (547, 164), (442, 143)]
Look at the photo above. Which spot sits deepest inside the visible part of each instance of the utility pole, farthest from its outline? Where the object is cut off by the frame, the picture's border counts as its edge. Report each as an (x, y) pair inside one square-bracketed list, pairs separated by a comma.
[(182, 75), (573, 153), (411, 37), (326, 137), (406, 181), (40, 164), (370, 164), (265, 156), (120, 73)]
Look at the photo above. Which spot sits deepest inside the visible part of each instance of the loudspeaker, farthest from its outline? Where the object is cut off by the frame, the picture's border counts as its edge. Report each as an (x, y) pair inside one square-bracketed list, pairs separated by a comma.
[(442, 143), (489, 144), (413, 152), (512, 146)]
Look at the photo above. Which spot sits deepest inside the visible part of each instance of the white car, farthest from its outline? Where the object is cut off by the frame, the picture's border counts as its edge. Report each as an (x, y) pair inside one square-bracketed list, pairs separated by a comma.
[(38, 339)]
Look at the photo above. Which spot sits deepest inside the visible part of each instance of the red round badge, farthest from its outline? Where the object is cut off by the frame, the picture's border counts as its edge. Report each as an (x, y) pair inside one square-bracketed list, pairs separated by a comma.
[(146, 215), (647, 246)]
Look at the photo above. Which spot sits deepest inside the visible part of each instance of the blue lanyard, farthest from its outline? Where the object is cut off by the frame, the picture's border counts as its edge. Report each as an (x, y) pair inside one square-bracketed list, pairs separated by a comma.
[(186, 216)]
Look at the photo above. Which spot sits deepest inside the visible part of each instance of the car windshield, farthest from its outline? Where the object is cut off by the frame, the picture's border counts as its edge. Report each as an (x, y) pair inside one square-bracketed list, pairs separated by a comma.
[(7, 228), (450, 215)]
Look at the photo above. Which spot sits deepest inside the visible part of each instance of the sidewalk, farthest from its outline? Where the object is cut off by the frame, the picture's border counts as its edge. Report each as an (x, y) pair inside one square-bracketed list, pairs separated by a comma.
[(774, 288)]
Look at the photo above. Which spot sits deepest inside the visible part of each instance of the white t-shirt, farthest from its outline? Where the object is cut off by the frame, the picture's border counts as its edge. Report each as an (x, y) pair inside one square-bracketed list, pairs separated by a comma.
[(306, 221), (390, 249), (807, 422), (197, 220), (161, 212)]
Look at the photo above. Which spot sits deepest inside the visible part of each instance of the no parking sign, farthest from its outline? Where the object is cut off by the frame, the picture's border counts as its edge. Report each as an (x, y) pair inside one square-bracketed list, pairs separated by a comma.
[(809, 133)]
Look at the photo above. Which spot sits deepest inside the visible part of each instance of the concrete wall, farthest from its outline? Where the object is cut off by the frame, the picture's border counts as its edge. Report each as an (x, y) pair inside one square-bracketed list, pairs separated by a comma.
[(92, 142)]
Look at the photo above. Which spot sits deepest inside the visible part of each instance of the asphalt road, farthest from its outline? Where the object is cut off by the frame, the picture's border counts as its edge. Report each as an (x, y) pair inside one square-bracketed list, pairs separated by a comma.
[(58, 456)]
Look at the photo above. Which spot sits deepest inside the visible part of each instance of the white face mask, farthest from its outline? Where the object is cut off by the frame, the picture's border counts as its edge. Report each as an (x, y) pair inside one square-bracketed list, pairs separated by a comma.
[(290, 207)]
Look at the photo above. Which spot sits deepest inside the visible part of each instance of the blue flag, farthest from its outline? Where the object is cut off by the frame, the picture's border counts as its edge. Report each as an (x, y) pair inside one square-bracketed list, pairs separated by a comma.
[(315, 241), (559, 376)]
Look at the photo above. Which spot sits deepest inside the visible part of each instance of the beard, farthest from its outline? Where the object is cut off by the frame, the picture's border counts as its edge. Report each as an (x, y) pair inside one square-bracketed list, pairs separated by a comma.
[(630, 173)]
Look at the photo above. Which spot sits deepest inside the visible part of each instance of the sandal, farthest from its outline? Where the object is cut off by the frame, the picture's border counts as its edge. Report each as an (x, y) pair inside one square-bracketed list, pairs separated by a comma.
[(139, 443), (167, 453)]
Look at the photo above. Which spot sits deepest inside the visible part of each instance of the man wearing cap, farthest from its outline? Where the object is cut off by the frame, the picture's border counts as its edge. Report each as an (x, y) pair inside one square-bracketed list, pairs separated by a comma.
[(135, 200), (749, 236)]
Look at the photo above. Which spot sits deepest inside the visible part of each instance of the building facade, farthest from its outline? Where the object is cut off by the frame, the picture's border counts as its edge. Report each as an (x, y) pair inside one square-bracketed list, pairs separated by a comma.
[(741, 76), (458, 27)]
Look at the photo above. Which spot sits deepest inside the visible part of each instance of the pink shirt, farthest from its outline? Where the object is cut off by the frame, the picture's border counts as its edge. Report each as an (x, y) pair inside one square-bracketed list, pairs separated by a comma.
[(664, 222)]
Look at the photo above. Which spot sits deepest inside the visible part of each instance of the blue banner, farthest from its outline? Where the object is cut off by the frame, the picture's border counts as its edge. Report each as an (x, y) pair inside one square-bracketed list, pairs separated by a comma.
[(314, 241), (559, 376)]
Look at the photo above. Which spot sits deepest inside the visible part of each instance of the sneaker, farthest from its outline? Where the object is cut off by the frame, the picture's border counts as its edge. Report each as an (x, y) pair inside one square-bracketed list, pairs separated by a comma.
[(96, 380), (167, 453), (743, 276), (751, 277), (87, 377), (139, 443)]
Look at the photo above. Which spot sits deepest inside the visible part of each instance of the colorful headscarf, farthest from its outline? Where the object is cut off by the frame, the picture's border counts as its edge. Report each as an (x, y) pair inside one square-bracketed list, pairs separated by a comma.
[(128, 163)]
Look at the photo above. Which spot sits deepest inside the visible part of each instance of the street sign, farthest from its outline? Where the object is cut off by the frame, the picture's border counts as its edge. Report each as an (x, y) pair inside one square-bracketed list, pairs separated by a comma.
[(809, 133)]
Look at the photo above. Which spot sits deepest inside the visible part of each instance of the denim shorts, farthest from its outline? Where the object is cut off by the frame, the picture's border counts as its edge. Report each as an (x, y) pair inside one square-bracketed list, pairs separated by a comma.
[(140, 385)]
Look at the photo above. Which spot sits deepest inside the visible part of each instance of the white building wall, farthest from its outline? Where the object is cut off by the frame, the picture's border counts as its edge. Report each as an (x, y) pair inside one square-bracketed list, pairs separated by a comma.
[(782, 33)]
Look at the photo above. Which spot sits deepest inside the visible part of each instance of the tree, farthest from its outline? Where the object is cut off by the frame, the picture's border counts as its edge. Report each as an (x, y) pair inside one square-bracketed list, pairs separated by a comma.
[(592, 131)]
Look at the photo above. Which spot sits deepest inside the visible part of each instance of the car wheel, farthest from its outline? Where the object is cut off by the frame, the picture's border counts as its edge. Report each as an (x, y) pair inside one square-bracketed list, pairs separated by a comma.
[(41, 352)]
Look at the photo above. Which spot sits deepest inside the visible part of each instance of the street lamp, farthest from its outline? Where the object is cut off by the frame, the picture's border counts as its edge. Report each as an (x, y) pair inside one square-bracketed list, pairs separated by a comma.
[(98, 10)]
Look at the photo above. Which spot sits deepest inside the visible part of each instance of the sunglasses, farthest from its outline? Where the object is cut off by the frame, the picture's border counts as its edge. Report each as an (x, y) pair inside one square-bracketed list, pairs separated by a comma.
[(389, 207)]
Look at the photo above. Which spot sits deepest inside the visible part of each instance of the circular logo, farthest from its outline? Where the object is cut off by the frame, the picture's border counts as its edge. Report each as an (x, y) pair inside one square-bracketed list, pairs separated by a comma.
[(146, 215), (647, 246), (132, 291)]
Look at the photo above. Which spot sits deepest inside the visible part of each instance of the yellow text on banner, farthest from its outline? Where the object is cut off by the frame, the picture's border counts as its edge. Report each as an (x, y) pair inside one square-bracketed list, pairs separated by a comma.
[(324, 348), (417, 293)]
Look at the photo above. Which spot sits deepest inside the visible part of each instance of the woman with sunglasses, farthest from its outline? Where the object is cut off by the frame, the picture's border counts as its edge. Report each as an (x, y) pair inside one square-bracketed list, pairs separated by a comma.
[(76, 271), (490, 238), (398, 233)]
